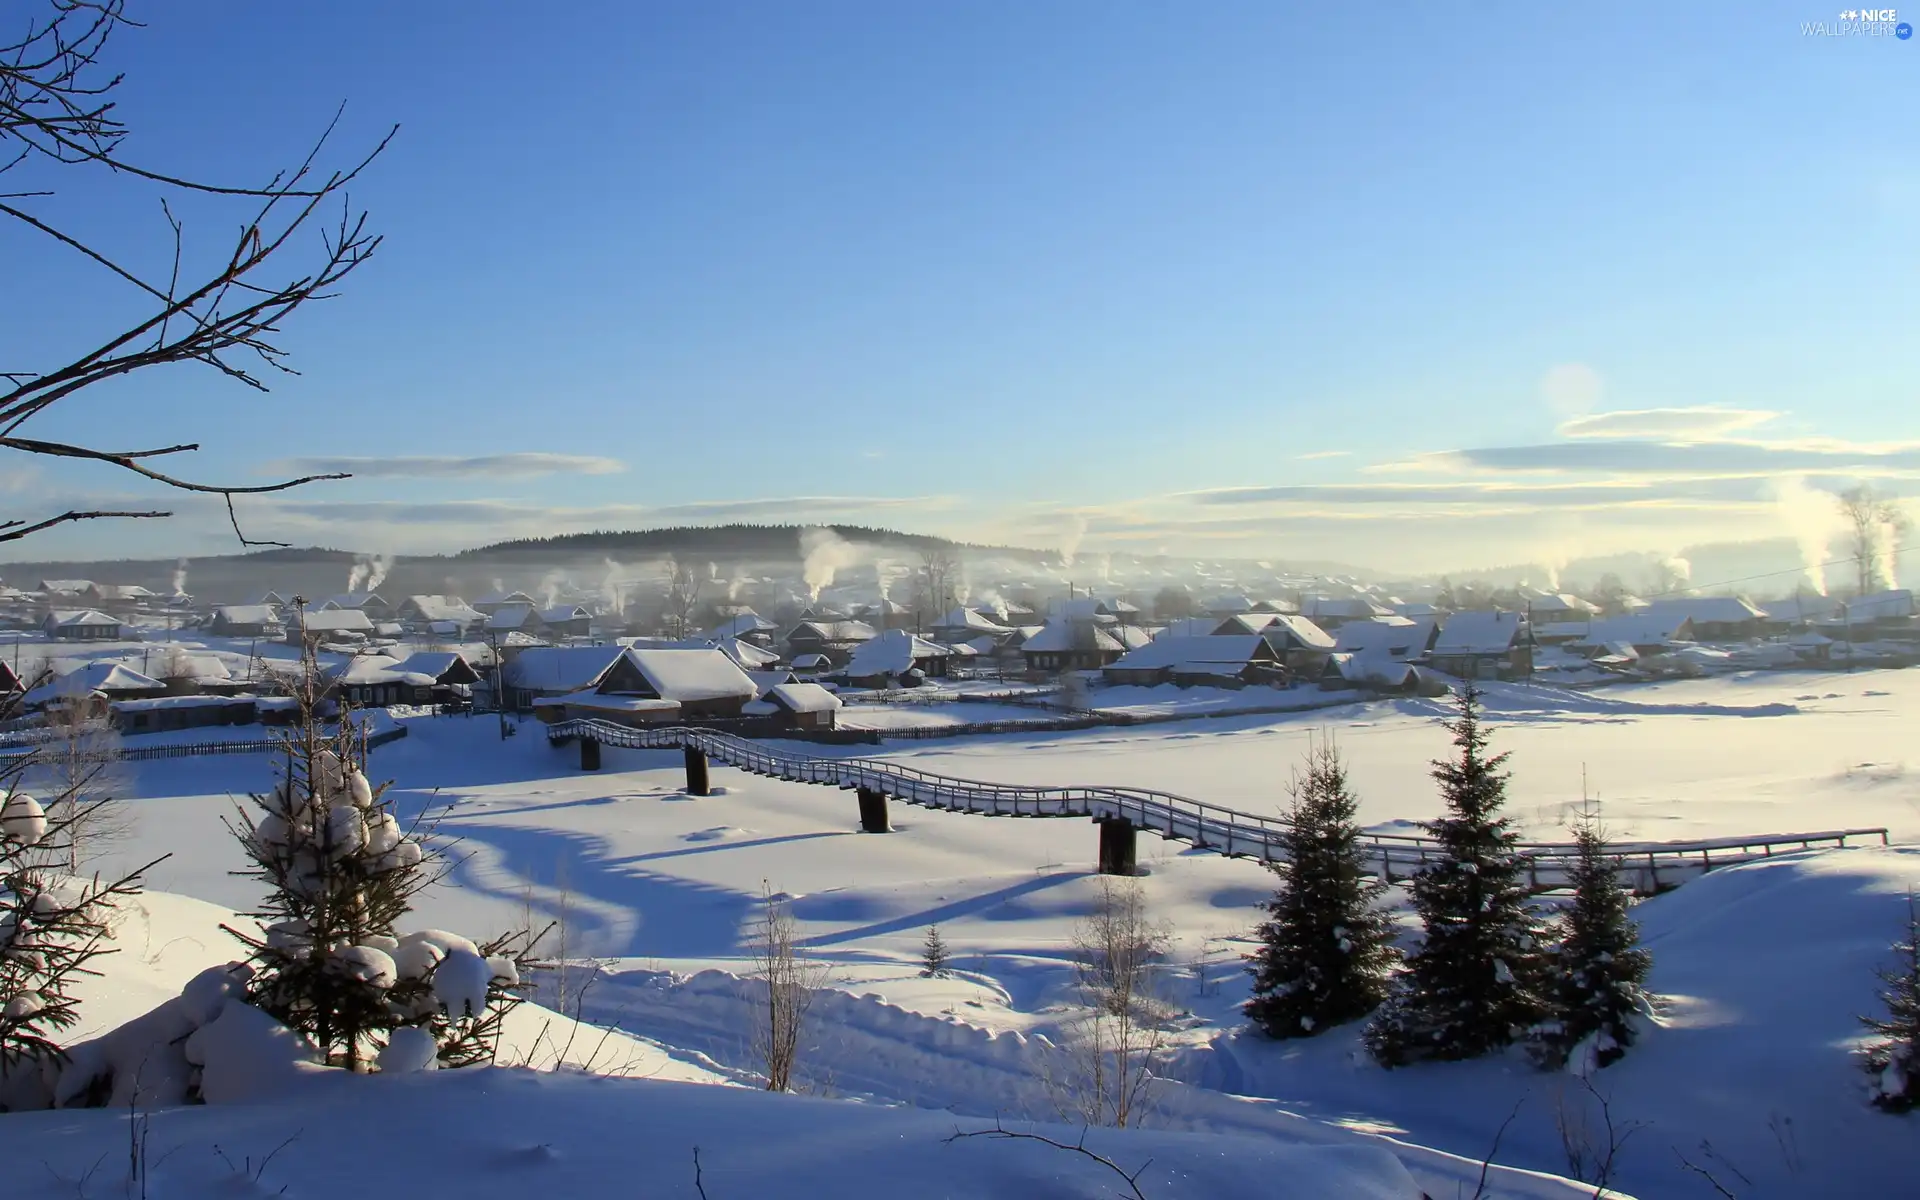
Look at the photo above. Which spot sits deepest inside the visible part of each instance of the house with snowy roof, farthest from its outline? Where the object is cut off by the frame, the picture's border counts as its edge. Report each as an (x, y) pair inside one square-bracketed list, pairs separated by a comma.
[(1215, 660), (1198, 627), (1331, 612), (1391, 638), (552, 671), (566, 621), (1302, 645), (964, 624), (1483, 645), (798, 706), (431, 611), (1714, 618), (835, 639), (1646, 633), (245, 621), (746, 626), (81, 625), (896, 659), (1079, 645), (67, 591), (493, 602), (331, 625), (90, 687), (426, 677), (370, 603), (651, 687)]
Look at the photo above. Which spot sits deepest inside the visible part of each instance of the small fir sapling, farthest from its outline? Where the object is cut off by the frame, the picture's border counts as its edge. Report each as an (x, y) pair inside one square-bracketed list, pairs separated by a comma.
[(1598, 972), (1891, 1057), (934, 955)]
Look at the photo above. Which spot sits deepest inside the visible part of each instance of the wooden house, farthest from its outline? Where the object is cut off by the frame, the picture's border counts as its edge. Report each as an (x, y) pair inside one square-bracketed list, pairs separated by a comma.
[(1230, 661), (650, 686), (245, 621), (1076, 645), (835, 639), (1483, 645), (1714, 618), (565, 621), (427, 612), (81, 625), (553, 671), (798, 706), (370, 603), (330, 625), (493, 602), (896, 659)]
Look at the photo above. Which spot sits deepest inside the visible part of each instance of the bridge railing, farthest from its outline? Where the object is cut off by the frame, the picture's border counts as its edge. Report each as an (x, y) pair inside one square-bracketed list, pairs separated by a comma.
[(1649, 866)]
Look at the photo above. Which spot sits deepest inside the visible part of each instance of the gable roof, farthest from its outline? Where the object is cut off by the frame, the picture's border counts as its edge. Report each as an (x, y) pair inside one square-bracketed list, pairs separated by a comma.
[(248, 614), (1345, 607), (685, 675), (741, 624), (1707, 610), (1643, 628), (506, 598), (338, 620), (1479, 633), (1080, 635), (564, 612), (1300, 631), (1198, 654), (1192, 627), (435, 663), (837, 631), (804, 698), (966, 618), (353, 600), (101, 675), (443, 608), (65, 586), (892, 653), (77, 618), (559, 668), (1401, 638), (511, 616)]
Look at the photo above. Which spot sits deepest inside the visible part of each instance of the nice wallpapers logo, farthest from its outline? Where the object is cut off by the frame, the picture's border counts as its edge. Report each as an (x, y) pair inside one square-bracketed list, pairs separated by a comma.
[(1861, 22)]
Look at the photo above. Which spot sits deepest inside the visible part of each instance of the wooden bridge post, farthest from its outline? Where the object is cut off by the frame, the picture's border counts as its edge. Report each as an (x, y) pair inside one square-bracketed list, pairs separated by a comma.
[(697, 784), (873, 812), (589, 754), (1117, 846)]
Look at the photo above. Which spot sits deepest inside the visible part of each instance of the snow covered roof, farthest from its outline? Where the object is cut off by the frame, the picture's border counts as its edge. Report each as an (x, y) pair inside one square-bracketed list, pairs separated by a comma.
[(206, 668), (100, 675), (65, 586), (1300, 630), (692, 675), (1401, 638), (559, 668), (443, 608), (339, 620), (1081, 608), (510, 617), (804, 698), (1644, 628), (1707, 610), (431, 663), (966, 618), (1210, 652), (740, 625), (1881, 606), (892, 653), (1548, 603), (811, 662), (606, 703), (506, 598), (1373, 667), (1191, 627), (75, 618), (563, 613), (836, 631), (248, 614), (1342, 607), (149, 703), (1231, 603), (353, 600), (1079, 635), (1478, 633)]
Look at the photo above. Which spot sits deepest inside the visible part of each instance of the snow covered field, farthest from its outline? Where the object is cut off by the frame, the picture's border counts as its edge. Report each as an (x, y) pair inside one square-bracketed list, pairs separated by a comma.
[(1766, 966)]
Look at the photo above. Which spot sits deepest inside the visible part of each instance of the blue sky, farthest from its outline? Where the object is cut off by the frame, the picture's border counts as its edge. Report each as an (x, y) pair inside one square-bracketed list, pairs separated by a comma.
[(1351, 281)]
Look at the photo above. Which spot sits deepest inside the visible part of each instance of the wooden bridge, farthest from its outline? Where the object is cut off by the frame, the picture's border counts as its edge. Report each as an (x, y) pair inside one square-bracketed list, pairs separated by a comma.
[(1120, 813)]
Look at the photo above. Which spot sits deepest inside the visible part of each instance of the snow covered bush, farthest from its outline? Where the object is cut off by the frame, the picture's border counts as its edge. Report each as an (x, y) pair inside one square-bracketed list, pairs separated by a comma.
[(1327, 947), (1478, 981), (52, 927), (1892, 1056), (341, 871), (1597, 976)]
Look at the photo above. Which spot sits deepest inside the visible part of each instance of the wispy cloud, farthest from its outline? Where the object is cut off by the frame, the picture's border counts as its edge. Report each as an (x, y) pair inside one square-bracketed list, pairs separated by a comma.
[(506, 513), (1677, 424), (1319, 454), (518, 465), (1677, 459)]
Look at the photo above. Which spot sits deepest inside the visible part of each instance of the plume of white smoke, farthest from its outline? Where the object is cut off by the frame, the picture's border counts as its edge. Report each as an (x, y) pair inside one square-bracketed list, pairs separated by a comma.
[(357, 574), (499, 586), (823, 554), (1681, 570), (1812, 519), (180, 578), (550, 585), (377, 568), (734, 584), (1886, 558), (612, 594), (1070, 544), (963, 590), (991, 598)]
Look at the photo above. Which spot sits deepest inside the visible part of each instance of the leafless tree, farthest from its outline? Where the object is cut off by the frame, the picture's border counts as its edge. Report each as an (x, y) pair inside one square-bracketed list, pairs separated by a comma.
[(790, 982), (1109, 1054), (1589, 1136), (938, 566), (225, 310), (1875, 524), (80, 771), (684, 585)]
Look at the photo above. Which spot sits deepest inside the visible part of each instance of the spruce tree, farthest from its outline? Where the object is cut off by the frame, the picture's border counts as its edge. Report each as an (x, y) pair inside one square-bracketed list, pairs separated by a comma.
[(934, 954), (1598, 973), (1327, 947), (341, 871), (1477, 982), (1892, 1058)]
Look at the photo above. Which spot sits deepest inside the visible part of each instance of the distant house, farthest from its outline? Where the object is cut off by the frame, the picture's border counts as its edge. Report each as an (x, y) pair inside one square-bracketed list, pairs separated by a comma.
[(429, 677), (1714, 618), (65, 591), (566, 621), (515, 618), (1396, 638), (158, 713), (896, 659), (82, 625), (274, 600), (747, 626), (1079, 645), (91, 687), (964, 625), (1646, 633), (1230, 660), (649, 686), (1483, 645), (493, 602), (801, 705), (118, 597), (430, 611), (811, 664), (339, 624), (370, 603), (835, 639), (1302, 645), (245, 621), (1331, 612), (552, 671), (1197, 627)]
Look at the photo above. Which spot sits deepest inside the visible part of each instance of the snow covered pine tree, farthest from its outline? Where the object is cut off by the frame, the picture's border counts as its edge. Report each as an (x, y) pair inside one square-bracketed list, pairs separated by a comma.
[(52, 926), (342, 872), (1892, 1058), (1326, 950), (1477, 982), (1598, 974)]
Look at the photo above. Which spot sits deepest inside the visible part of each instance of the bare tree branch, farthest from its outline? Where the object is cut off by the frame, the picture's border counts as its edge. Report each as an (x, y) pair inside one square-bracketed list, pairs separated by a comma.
[(14, 530), (1000, 1132)]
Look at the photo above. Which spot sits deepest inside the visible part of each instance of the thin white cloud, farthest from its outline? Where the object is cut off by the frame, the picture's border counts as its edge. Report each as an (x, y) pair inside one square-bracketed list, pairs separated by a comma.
[(517, 465), (1617, 456), (1664, 424), (1571, 389), (1320, 454)]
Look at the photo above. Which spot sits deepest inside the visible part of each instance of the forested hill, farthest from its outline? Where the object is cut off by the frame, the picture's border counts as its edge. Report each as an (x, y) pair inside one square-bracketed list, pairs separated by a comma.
[(729, 541)]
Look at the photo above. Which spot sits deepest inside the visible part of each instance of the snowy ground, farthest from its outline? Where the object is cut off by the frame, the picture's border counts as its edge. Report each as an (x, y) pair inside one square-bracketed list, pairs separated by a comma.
[(1768, 965)]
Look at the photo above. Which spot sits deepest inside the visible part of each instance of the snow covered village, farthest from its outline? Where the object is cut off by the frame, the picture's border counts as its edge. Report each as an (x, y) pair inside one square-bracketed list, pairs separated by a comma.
[(1030, 602)]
